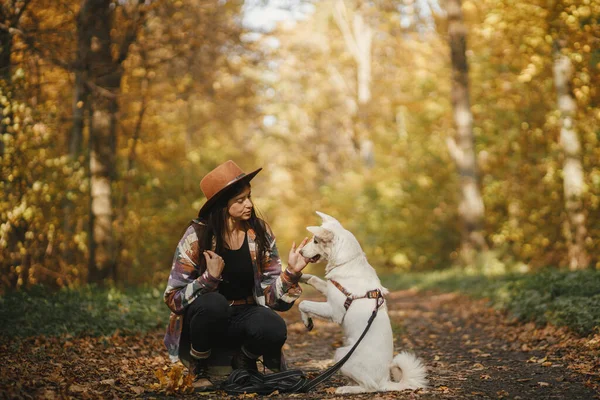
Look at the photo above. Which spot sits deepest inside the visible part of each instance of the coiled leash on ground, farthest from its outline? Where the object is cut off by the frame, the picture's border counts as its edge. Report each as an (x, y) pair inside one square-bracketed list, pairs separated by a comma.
[(293, 381)]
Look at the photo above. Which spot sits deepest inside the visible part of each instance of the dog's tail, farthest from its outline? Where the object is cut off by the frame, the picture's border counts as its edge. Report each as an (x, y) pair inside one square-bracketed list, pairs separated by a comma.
[(408, 372)]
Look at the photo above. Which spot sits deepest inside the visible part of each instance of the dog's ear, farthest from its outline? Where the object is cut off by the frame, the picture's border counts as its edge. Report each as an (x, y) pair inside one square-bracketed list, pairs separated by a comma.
[(321, 233), (327, 218)]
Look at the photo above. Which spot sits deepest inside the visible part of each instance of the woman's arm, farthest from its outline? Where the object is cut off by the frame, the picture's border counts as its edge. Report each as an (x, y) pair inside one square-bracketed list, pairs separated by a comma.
[(189, 278), (280, 288)]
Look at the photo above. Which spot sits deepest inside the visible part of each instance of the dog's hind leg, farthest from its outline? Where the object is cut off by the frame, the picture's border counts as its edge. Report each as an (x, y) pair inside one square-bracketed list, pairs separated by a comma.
[(315, 282), (309, 309)]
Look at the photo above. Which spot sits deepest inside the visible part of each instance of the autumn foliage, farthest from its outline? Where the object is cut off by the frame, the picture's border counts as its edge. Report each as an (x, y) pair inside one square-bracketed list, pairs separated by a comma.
[(196, 87)]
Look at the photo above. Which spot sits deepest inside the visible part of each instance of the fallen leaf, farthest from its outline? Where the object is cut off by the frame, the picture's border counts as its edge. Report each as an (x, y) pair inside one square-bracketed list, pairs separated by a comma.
[(543, 384), (77, 388), (443, 389), (110, 382), (137, 389), (485, 377)]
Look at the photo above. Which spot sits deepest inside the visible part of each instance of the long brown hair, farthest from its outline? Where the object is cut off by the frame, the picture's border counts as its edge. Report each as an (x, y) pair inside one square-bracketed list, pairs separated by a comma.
[(216, 223)]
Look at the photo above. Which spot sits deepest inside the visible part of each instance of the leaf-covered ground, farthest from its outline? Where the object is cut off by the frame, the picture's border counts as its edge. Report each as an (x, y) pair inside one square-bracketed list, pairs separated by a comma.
[(471, 351)]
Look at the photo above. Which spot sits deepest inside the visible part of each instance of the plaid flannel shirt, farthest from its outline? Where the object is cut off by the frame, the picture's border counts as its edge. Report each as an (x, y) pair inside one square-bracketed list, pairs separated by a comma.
[(189, 279)]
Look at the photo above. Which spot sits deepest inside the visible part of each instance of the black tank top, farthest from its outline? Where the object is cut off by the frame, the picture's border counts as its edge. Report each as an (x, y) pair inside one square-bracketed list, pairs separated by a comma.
[(238, 274)]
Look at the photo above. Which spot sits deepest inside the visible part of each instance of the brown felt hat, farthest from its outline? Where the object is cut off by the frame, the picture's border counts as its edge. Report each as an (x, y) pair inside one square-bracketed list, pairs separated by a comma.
[(215, 183)]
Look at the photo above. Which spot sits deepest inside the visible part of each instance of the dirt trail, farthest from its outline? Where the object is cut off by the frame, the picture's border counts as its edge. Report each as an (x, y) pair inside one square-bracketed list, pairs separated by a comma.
[(472, 352)]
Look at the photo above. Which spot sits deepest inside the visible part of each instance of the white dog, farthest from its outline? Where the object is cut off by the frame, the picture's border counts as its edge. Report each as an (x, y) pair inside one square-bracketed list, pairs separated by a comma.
[(372, 365)]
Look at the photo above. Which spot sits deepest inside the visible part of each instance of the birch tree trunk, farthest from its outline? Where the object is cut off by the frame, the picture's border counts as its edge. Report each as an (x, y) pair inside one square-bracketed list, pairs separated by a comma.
[(358, 38), (575, 225), (462, 148)]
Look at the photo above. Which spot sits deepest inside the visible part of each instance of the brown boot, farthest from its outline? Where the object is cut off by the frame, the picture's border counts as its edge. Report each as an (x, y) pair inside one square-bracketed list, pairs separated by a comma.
[(202, 381), (241, 360), (275, 363)]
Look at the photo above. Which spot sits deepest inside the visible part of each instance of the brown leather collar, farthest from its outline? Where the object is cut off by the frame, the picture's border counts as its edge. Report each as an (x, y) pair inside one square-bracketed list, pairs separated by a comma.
[(240, 302), (371, 294)]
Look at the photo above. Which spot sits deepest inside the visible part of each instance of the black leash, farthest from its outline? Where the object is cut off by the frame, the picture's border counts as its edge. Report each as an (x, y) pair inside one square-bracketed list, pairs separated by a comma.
[(293, 381)]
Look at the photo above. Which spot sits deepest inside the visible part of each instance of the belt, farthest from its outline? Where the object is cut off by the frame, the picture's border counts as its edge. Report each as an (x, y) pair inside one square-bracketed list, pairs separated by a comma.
[(240, 302)]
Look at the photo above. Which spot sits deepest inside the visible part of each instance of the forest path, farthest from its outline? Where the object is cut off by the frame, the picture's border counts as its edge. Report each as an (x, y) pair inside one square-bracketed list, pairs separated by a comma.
[(471, 351)]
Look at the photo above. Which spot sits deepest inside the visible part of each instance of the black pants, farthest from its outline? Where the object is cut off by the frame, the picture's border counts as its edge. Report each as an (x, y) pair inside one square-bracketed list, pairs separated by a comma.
[(211, 322)]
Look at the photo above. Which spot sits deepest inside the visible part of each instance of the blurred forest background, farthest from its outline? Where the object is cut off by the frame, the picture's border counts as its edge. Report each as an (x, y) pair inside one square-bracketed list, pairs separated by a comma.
[(440, 133)]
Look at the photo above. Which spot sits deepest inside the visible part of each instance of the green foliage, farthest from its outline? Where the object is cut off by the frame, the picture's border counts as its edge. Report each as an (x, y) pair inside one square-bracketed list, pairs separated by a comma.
[(87, 310), (552, 296)]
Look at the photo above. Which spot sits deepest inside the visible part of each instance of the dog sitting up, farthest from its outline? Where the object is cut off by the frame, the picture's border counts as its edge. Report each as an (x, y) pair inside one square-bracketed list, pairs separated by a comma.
[(350, 278)]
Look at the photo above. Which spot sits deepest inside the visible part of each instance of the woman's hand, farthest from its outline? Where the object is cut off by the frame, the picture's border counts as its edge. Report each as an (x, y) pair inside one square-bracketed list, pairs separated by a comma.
[(214, 263), (296, 261)]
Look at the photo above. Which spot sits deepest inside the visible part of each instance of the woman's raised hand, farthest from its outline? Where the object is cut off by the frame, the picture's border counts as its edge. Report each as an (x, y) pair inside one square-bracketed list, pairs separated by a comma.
[(214, 263), (296, 261)]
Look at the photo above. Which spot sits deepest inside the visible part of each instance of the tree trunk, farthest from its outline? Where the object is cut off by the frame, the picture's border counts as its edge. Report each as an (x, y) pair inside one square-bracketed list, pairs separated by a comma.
[(462, 148), (95, 22), (5, 50), (102, 159), (79, 99), (575, 225), (104, 73), (75, 145), (358, 39)]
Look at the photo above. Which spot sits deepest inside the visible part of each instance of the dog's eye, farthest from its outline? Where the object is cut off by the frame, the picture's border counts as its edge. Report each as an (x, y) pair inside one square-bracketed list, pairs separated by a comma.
[(315, 240)]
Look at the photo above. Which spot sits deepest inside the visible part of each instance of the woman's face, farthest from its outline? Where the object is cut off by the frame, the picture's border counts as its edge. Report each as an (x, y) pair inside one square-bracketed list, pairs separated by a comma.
[(240, 206)]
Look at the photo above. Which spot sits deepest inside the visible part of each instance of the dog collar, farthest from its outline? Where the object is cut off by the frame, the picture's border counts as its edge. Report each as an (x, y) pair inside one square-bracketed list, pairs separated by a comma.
[(362, 253)]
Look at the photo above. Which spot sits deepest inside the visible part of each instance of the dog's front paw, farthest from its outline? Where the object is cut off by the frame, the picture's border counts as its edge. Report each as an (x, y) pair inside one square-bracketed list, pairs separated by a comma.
[(308, 322), (304, 278)]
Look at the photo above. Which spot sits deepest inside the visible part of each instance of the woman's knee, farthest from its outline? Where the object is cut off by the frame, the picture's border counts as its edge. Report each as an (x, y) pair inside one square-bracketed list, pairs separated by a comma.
[(270, 327), (210, 305)]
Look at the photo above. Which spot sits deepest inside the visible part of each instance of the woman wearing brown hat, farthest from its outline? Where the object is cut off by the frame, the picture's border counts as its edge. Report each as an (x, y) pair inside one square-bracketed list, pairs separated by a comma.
[(226, 280)]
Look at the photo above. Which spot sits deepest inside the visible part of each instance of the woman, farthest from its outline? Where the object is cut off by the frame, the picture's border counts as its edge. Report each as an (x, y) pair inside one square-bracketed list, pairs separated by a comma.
[(226, 280)]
